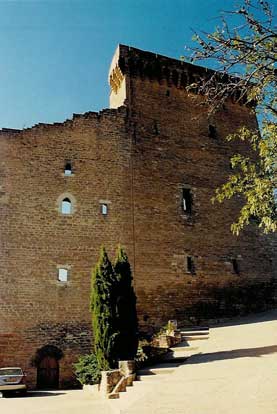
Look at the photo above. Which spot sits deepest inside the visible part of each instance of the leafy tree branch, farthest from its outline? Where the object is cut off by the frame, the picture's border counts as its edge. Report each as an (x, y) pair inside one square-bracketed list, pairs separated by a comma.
[(244, 51)]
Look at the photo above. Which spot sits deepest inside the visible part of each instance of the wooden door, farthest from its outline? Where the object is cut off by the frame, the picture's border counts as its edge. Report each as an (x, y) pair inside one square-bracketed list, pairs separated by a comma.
[(48, 373)]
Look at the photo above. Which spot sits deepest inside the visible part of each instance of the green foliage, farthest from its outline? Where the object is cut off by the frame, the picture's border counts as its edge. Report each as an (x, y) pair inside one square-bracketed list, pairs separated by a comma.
[(87, 370), (245, 55), (162, 331), (170, 327), (255, 180), (113, 307), (147, 354), (141, 357), (125, 305), (103, 313)]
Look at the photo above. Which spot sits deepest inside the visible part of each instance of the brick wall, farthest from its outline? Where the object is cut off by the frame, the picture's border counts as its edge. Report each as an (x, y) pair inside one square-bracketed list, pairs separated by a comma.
[(36, 308), (173, 149), (137, 159)]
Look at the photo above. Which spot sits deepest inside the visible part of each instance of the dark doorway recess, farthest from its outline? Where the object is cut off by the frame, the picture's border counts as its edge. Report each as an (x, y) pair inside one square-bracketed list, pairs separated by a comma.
[(47, 363), (48, 373)]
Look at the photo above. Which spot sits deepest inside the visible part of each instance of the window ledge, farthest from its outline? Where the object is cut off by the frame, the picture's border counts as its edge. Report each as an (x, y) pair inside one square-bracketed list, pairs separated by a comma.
[(60, 283), (68, 175)]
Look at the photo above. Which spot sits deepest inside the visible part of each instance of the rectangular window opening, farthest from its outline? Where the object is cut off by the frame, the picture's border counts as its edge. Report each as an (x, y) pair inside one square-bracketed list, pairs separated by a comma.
[(236, 268), (104, 209), (187, 200), (190, 265), (63, 275), (212, 131), (68, 169), (156, 128)]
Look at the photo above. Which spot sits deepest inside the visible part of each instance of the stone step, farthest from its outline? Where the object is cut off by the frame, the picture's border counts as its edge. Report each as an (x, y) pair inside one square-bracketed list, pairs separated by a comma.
[(194, 333), (182, 347), (142, 378), (135, 393), (156, 371), (194, 338), (180, 354), (159, 369), (183, 343), (149, 378), (193, 328)]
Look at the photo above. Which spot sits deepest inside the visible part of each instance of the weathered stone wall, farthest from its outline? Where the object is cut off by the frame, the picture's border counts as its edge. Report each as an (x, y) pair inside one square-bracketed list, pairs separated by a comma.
[(36, 308), (136, 159), (172, 149)]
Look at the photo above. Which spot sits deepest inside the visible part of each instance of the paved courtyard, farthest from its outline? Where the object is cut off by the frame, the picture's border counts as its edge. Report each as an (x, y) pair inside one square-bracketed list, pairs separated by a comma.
[(234, 372), (54, 402)]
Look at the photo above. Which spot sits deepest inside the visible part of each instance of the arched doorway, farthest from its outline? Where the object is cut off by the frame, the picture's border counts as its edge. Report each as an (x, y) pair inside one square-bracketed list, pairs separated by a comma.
[(48, 373), (47, 363)]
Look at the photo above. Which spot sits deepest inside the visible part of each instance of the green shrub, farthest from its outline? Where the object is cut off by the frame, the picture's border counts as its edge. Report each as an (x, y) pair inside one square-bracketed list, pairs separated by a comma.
[(148, 354), (125, 307), (141, 356), (87, 370), (103, 313)]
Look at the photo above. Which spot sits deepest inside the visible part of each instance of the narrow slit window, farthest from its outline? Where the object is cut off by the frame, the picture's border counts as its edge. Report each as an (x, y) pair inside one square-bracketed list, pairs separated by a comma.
[(187, 200), (156, 128), (236, 268), (68, 169), (66, 207), (63, 275), (104, 209), (190, 265)]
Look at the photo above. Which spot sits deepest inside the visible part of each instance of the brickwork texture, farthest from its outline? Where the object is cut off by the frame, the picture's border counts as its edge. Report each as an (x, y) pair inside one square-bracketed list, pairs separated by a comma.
[(157, 141)]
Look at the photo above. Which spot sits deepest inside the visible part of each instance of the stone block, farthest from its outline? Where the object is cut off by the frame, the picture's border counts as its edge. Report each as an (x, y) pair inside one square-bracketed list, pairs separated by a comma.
[(127, 367), (109, 380)]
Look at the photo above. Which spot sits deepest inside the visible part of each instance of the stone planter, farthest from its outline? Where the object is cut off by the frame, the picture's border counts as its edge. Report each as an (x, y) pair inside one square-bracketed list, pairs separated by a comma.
[(115, 381), (164, 341), (91, 389), (109, 380), (127, 367)]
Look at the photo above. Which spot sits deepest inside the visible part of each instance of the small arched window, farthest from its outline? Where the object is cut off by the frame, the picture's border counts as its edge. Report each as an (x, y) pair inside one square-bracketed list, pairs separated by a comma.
[(68, 169), (66, 206)]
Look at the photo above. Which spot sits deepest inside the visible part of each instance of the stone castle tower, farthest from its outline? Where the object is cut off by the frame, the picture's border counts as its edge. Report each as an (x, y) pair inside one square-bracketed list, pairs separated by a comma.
[(141, 174)]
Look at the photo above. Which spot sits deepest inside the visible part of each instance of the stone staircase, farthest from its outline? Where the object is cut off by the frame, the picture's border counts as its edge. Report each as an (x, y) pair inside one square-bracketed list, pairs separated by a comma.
[(191, 338), (149, 378)]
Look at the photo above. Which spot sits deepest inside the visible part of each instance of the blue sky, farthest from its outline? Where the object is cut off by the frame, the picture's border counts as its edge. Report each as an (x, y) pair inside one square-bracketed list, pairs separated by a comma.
[(55, 54)]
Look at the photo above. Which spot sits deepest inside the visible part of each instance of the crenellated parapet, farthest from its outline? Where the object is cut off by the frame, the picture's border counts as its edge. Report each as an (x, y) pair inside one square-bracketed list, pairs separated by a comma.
[(137, 63)]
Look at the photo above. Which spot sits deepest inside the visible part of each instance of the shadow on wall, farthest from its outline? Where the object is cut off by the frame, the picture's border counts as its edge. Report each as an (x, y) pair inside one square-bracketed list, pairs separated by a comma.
[(264, 316), (231, 300), (235, 353)]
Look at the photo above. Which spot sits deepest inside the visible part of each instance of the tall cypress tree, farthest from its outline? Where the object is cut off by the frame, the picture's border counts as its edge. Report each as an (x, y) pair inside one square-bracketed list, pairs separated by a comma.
[(103, 317), (125, 305)]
